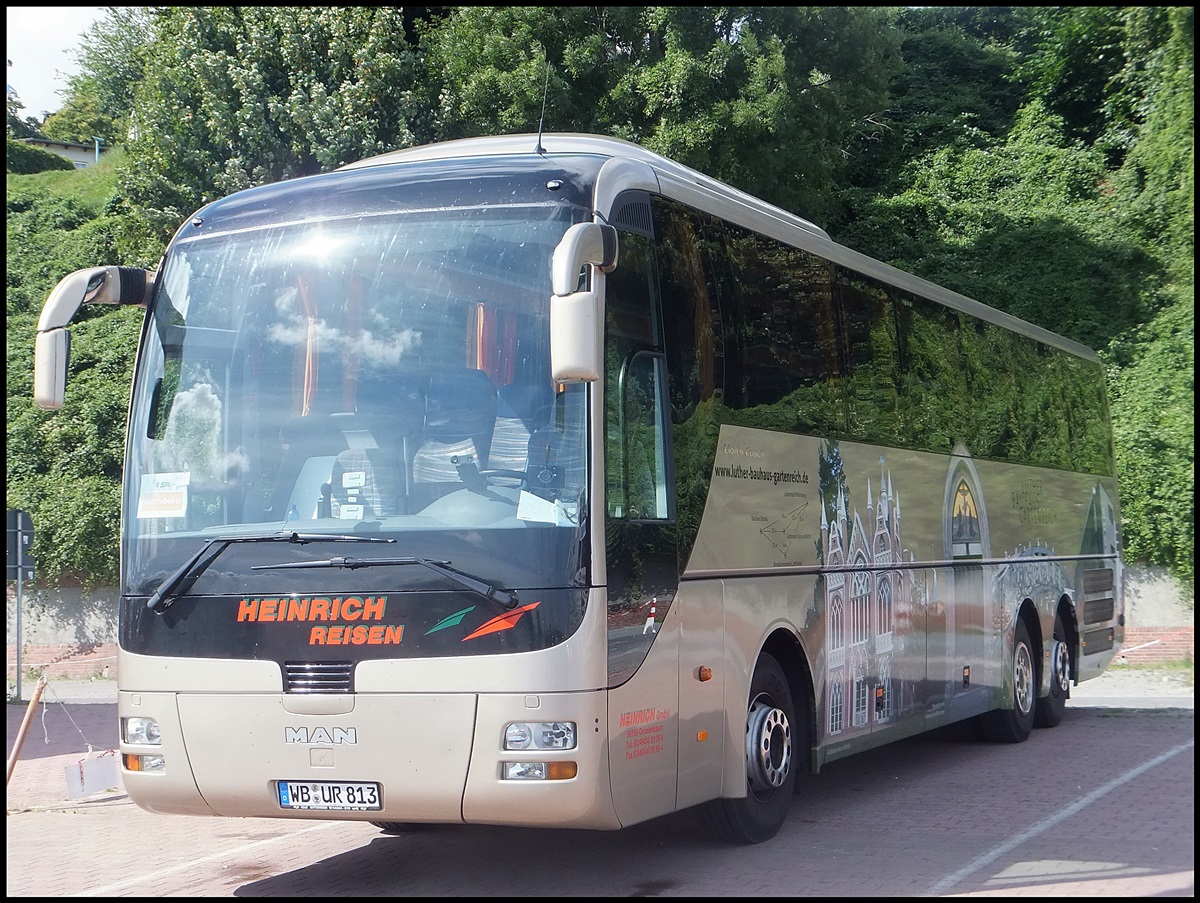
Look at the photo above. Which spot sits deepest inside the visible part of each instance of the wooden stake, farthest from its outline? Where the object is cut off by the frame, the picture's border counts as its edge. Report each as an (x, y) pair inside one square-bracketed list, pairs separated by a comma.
[(25, 722)]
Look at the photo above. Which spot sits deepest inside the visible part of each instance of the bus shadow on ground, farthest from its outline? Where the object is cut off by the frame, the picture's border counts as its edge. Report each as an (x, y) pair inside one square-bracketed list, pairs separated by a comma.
[(656, 857)]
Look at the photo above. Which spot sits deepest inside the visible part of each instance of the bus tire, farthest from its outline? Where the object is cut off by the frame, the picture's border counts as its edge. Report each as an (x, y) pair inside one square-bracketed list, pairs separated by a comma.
[(1014, 725), (772, 737), (395, 827), (1050, 709)]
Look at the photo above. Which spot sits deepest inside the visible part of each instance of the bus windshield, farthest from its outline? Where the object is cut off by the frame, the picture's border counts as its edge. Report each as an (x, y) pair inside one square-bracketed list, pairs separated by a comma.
[(382, 374)]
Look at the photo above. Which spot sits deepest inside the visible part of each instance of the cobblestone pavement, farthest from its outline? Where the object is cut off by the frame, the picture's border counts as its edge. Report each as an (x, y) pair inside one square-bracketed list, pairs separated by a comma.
[(76, 718), (95, 844)]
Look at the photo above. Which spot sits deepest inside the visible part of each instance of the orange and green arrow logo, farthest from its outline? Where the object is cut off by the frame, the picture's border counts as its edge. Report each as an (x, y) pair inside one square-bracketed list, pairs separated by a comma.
[(450, 621), (503, 622)]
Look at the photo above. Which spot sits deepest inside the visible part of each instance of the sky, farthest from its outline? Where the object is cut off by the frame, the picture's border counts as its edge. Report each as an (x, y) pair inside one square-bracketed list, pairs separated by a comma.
[(42, 41)]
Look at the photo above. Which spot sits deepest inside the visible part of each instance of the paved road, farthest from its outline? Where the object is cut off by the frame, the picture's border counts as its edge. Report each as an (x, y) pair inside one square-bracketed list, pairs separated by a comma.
[(1106, 808)]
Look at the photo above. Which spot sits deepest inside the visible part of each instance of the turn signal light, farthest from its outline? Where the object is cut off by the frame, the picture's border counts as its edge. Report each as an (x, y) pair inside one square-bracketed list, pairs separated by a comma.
[(134, 762)]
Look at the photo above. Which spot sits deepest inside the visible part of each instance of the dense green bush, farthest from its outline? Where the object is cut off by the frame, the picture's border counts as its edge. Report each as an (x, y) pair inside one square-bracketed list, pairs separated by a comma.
[(23, 158)]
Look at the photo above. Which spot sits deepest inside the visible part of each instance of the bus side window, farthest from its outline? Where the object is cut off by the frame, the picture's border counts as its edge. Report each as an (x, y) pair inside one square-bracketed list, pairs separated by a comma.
[(636, 451), (642, 441), (872, 358)]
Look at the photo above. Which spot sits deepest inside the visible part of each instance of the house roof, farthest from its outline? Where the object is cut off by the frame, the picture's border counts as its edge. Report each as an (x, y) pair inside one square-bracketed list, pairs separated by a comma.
[(47, 142)]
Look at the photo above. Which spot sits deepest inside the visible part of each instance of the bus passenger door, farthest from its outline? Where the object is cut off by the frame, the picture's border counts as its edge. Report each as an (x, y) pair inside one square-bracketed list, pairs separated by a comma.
[(640, 544)]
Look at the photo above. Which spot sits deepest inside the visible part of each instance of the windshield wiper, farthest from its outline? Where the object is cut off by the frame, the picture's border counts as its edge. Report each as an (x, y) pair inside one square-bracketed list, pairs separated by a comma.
[(159, 601), (492, 593)]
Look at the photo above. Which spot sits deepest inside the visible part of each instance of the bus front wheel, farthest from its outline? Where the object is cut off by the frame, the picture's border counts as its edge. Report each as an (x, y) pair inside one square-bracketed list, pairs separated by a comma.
[(1014, 725), (396, 828), (772, 736)]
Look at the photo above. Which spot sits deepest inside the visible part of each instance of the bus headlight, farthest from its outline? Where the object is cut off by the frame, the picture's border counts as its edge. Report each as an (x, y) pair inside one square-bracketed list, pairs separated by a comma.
[(143, 731), (540, 735)]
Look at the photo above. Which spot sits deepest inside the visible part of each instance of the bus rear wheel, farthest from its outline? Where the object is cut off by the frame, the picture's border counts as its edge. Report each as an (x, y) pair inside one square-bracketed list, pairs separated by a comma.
[(1014, 725), (771, 736), (1050, 709)]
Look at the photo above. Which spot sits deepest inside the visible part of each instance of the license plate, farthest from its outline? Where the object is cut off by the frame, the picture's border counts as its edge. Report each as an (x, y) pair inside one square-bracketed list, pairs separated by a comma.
[(331, 795)]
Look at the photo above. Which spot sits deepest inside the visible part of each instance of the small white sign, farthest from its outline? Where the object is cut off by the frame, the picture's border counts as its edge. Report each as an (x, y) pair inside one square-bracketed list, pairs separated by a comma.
[(163, 495), (92, 774), (350, 512), (354, 479), (535, 508)]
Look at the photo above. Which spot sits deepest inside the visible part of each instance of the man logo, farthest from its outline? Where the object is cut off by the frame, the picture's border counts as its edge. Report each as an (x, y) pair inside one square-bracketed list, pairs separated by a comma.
[(345, 736)]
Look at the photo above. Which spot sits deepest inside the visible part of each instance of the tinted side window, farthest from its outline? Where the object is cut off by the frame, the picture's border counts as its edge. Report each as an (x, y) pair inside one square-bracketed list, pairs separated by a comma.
[(1005, 395), (782, 367), (691, 310), (694, 342), (872, 358), (932, 393), (631, 326), (1034, 403)]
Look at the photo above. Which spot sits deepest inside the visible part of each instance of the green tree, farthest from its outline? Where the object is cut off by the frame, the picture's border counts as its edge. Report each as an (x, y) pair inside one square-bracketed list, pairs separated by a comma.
[(766, 98), (1154, 402), (951, 90), (1074, 54), (1014, 223), (240, 96), (1154, 417), (100, 95), (15, 126), (64, 467), (80, 121)]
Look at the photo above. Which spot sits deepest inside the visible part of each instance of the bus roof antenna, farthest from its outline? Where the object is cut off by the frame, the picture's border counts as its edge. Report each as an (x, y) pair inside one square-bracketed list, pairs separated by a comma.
[(542, 122)]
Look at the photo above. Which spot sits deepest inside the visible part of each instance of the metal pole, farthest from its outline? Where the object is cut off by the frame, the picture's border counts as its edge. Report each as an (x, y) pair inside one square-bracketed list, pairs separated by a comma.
[(20, 531), (20, 605), (20, 601)]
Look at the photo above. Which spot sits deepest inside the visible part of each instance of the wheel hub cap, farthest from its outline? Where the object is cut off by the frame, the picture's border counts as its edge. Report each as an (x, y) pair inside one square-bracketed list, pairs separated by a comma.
[(1023, 679), (768, 747), (1061, 674)]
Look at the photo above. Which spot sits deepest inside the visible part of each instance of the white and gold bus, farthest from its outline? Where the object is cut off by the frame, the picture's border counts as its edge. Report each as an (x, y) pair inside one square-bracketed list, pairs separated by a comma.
[(544, 481)]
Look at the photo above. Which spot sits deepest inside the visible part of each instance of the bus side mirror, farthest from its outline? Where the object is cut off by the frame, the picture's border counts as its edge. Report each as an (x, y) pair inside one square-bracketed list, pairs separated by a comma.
[(576, 318), (50, 355), (94, 285)]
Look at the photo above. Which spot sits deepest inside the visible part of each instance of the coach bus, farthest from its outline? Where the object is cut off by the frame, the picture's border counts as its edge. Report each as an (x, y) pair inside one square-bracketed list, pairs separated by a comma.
[(541, 480)]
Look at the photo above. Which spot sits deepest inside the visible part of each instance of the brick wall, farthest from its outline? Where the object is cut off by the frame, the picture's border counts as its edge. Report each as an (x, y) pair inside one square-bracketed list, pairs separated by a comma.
[(71, 661), (1147, 645)]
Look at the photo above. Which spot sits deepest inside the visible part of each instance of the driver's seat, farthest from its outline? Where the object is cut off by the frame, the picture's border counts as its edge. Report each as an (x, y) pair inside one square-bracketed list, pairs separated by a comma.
[(460, 413), (521, 410)]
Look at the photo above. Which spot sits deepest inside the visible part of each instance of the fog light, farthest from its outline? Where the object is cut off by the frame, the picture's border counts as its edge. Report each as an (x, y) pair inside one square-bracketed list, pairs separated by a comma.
[(524, 771), (143, 731), (539, 771)]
